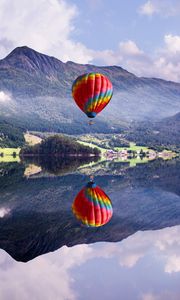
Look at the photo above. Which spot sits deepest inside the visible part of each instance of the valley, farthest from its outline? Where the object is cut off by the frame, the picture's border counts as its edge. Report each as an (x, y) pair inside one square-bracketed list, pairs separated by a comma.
[(141, 123)]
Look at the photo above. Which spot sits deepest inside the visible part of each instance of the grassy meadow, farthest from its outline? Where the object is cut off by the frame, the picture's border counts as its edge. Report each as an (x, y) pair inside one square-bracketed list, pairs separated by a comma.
[(9, 154)]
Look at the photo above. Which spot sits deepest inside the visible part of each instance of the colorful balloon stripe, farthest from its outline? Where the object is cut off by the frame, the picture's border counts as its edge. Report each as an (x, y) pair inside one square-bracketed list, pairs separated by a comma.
[(92, 206), (92, 92)]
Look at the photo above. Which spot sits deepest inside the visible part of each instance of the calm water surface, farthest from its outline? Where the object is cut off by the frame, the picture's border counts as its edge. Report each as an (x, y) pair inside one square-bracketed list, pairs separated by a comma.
[(47, 253)]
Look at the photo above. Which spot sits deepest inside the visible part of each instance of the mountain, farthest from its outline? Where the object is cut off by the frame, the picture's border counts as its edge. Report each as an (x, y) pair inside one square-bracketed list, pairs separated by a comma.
[(39, 94)]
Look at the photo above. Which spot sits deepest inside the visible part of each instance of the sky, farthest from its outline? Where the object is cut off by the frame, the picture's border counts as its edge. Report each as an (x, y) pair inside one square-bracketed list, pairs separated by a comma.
[(142, 36)]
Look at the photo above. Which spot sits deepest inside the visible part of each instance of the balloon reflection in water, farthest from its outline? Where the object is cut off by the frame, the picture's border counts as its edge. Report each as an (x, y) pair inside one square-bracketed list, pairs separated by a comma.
[(92, 206)]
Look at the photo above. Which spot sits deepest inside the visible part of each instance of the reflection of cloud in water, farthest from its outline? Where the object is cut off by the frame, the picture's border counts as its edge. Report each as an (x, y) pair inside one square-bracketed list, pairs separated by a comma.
[(173, 264), (4, 211), (52, 276), (47, 277), (165, 242), (149, 296), (166, 295)]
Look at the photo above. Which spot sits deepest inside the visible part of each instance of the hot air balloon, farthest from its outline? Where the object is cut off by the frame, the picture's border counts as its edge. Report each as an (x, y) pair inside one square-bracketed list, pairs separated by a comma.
[(92, 206), (92, 92)]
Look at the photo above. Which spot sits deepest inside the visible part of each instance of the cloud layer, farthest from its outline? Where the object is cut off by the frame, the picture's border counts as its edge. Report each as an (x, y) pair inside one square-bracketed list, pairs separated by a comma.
[(53, 276), (163, 63), (166, 8), (49, 27), (46, 26)]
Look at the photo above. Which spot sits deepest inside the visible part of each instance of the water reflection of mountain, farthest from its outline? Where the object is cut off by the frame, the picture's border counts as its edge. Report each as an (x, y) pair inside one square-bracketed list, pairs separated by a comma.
[(36, 214), (10, 175)]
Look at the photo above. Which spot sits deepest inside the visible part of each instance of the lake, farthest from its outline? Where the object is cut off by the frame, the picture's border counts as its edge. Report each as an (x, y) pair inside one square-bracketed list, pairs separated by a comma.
[(47, 252)]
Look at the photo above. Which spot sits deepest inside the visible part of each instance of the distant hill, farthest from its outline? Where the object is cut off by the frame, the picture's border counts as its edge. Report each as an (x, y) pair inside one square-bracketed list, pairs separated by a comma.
[(39, 90), (161, 133), (168, 130)]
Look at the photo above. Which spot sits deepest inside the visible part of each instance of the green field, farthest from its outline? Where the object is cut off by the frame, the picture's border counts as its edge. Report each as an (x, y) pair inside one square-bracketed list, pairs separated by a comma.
[(132, 147), (32, 139), (8, 155), (133, 161)]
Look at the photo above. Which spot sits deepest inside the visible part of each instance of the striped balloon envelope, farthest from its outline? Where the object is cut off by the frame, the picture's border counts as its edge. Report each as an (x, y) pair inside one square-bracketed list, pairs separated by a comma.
[(92, 92), (92, 206)]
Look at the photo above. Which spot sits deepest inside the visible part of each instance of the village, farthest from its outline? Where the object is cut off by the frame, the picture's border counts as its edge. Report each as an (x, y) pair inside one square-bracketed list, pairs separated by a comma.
[(126, 154)]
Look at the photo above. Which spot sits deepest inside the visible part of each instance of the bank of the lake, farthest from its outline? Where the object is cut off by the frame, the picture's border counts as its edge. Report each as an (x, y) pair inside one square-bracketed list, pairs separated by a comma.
[(65, 146)]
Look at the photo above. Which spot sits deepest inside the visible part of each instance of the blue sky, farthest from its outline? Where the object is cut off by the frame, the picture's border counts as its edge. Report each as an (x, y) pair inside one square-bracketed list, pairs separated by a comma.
[(105, 24), (142, 36)]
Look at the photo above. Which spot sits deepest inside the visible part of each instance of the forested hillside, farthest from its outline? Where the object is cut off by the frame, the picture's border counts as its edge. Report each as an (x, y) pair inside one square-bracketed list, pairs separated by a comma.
[(163, 133), (59, 146), (10, 136), (37, 93)]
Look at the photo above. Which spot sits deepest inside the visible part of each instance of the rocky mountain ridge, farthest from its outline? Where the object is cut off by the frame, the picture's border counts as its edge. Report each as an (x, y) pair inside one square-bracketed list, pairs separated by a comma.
[(39, 90)]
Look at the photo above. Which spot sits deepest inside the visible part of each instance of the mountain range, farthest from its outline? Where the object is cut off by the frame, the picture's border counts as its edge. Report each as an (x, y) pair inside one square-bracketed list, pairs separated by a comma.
[(37, 95)]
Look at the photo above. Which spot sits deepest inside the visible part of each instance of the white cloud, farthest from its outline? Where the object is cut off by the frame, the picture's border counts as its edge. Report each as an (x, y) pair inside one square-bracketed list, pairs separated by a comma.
[(126, 52), (165, 295), (166, 8), (129, 56), (130, 260), (164, 243), (4, 211), (149, 296), (148, 8), (172, 43), (49, 276), (46, 26), (46, 277), (107, 57), (163, 63), (173, 264), (4, 97), (167, 60), (130, 48)]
